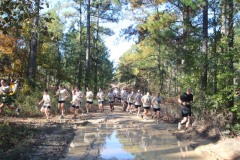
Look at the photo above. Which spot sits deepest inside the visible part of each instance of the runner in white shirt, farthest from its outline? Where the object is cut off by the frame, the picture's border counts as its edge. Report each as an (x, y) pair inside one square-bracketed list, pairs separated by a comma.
[(146, 101), (130, 100), (46, 101), (138, 102), (117, 95), (110, 97), (89, 98), (62, 94), (80, 96), (100, 98), (156, 101), (75, 103), (6, 99), (124, 96)]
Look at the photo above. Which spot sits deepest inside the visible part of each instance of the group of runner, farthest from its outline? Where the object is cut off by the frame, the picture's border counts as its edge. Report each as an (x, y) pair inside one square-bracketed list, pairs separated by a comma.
[(131, 102)]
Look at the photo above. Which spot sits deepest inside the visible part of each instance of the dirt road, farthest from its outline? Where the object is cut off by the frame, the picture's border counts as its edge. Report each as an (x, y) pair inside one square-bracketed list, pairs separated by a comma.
[(88, 136)]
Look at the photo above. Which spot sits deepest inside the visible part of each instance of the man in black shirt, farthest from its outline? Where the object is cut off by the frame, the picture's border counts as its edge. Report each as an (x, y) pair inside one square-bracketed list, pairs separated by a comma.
[(186, 100)]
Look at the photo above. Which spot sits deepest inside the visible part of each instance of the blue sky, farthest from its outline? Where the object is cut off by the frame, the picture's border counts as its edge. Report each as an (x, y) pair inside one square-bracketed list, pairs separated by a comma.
[(116, 44)]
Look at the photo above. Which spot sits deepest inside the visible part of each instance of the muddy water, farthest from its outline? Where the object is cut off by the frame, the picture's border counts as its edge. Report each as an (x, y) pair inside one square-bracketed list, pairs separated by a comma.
[(124, 142)]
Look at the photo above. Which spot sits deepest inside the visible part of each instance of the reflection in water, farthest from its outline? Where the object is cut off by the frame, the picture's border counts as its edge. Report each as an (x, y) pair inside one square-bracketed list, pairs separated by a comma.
[(113, 149), (183, 149), (105, 142)]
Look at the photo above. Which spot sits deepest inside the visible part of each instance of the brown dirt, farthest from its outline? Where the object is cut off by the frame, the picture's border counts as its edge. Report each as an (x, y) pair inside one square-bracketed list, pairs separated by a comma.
[(208, 141), (50, 142), (55, 135)]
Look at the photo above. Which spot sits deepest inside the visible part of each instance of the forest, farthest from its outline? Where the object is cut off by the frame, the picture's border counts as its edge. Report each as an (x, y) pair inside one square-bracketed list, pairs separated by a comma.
[(178, 44)]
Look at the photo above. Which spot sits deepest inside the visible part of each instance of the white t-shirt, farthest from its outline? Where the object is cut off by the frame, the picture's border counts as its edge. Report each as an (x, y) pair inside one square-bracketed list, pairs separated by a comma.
[(100, 96), (89, 96), (130, 98), (156, 102), (110, 97), (62, 94), (76, 100), (5, 90), (124, 96), (117, 93), (146, 100), (46, 100), (138, 98), (79, 95)]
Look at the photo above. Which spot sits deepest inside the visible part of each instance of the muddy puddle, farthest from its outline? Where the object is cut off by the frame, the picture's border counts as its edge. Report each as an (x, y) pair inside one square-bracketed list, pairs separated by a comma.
[(127, 142)]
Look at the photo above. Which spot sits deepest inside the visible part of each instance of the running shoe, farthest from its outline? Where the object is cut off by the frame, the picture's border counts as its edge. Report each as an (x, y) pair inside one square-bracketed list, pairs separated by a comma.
[(179, 126)]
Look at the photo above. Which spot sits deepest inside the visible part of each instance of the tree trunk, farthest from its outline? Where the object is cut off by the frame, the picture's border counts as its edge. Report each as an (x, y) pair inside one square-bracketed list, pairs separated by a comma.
[(223, 17), (88, 46), (231, 67), (80, 76), (33, 46), (215, 53), (59, 64), (205, 47), (159, 70), (96, 54), (186, 22)]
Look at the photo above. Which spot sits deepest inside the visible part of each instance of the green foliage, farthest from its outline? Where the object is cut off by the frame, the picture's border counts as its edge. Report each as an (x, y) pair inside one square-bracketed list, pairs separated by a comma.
[(28, 103), (235, 128), (170, 41), (13, 13)]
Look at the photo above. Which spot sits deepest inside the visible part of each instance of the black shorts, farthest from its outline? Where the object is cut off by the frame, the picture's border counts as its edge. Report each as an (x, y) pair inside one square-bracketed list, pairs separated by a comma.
[(139, 105), (100, 102), (90, 102), (48, 107), (119, 98), (8, 100), (156, 109), (110, 102), (186, 111), (130, 103), (75, 107), (61, 101), (146, 107)]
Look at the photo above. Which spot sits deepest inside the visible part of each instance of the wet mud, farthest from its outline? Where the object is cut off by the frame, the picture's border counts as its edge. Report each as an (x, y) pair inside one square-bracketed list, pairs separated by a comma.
[(115, 135), (122, 136)]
